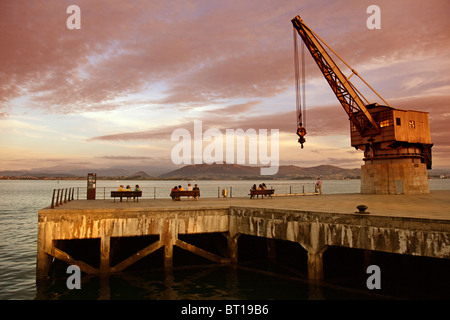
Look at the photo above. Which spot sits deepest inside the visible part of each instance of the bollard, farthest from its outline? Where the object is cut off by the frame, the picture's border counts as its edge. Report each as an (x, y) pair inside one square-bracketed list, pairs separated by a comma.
[(362, 209)]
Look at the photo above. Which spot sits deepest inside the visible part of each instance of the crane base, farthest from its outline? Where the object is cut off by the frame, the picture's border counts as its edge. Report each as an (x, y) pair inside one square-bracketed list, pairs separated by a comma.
[(394, 178)]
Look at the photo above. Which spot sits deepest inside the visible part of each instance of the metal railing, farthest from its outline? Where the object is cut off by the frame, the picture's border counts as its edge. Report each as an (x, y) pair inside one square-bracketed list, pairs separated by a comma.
[(64, 195), (61, 196)]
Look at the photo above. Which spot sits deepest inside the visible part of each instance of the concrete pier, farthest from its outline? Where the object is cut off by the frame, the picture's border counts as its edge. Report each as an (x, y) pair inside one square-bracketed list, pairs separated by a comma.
[(402, 224)]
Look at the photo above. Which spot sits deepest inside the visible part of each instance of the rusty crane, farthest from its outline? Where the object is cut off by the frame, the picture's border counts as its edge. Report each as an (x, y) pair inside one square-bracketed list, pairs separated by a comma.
[(396, 143)]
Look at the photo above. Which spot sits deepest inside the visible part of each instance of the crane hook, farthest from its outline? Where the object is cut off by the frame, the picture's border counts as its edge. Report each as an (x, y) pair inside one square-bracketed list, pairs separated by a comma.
[(301, 132)]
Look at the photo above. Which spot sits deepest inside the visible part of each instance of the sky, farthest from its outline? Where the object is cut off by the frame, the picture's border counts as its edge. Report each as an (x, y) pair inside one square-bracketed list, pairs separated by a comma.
[(112, 92)]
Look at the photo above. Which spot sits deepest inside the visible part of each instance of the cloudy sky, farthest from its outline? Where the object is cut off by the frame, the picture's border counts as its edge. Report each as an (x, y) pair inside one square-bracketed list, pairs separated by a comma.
[(113, 92)]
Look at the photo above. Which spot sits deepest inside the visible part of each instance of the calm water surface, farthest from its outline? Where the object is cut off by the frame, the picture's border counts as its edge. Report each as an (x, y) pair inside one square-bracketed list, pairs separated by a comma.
[(20, 201)]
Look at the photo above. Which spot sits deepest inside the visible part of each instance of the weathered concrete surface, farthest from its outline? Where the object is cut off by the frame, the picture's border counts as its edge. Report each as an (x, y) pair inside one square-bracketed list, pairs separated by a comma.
[(416, 225), (315, 231), (93, 223), (67, 224)]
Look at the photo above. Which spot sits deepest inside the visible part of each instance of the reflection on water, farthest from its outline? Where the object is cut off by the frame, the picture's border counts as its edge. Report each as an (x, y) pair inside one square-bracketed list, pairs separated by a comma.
[(196, 283)]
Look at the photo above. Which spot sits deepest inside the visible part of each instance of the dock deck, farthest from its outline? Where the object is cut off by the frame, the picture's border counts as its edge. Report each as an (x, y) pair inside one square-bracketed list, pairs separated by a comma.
[(435, 205), (404, 224)]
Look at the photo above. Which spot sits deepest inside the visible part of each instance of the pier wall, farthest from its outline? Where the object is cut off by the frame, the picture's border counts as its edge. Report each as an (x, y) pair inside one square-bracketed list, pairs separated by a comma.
[(314, 231)]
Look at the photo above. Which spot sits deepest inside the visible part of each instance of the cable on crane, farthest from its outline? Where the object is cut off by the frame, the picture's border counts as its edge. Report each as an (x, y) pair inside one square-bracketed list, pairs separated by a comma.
[(300, 91)]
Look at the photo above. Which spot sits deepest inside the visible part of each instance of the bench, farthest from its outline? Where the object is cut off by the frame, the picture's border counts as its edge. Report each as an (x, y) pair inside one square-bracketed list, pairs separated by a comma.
[(175, 195), (126, 194), (257, 193)]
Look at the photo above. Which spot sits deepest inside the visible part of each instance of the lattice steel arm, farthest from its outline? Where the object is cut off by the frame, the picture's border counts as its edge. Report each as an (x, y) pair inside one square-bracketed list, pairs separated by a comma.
[(341, 86)]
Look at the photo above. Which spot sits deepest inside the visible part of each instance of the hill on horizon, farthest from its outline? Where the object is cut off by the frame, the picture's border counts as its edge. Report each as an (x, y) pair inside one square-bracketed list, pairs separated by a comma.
[(199, 171), (236, 171)]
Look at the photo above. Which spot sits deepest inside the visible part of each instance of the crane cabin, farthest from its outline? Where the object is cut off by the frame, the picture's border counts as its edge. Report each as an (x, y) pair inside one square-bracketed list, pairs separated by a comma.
[(402, 134)]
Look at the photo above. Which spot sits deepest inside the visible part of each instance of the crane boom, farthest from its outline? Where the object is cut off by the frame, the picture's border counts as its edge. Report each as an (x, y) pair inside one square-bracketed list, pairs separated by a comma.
[(341, 86)]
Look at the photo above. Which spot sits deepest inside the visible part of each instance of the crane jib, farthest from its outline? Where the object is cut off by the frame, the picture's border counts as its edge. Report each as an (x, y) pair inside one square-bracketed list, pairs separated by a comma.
[(339, 83)]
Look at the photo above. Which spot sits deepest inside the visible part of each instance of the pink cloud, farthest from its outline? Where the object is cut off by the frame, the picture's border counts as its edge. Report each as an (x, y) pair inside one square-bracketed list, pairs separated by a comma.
[(214, 53), (322, 121), (202, 51)]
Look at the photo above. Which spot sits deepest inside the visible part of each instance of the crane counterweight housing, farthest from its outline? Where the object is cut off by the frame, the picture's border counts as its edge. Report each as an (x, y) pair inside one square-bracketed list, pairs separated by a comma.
[(396, 143)]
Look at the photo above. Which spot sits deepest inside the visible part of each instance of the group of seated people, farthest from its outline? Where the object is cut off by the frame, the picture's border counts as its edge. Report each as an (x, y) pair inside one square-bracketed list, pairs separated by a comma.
[(128, 188), (189, 188), (262, 186)]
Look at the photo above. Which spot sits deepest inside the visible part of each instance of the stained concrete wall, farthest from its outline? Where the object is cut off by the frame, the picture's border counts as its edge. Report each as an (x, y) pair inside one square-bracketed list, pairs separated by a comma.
[(315, 231), (106, 223), (84, 224)]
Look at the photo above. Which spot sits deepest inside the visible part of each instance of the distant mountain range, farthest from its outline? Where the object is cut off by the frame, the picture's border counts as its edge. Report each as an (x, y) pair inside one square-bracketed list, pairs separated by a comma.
[(198, 172), (235, 171)]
